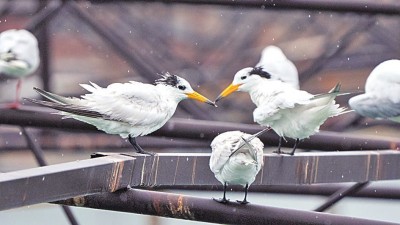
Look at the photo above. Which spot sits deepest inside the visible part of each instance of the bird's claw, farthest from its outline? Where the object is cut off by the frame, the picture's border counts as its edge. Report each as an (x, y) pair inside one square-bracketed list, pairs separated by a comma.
[(244, 202), (221, 200), (283, 153)]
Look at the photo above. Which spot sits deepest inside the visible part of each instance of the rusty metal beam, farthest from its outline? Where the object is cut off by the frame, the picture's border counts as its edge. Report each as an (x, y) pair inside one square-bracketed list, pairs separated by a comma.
[(302, 168), (205, 130), (67, 180), (206, 210)]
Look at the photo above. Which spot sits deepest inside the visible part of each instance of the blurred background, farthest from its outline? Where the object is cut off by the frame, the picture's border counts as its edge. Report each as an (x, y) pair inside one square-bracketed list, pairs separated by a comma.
[(206, 44)]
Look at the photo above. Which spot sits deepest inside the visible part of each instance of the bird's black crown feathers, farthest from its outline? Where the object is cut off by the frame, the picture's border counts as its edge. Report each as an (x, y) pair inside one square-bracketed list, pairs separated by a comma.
[(259, 71), (167, 79)]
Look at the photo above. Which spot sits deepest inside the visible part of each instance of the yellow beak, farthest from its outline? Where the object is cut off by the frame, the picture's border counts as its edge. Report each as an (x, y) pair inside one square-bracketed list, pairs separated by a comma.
[(229, 90), (200, 98)]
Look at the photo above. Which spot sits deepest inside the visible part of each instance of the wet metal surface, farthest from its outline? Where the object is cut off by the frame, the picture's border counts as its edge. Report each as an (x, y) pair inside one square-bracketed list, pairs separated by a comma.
[(206, 210), (67, 180), (304, 168)]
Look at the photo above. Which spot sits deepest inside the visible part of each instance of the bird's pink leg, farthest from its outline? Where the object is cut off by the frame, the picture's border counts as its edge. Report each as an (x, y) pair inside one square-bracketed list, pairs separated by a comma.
[(16, 104)]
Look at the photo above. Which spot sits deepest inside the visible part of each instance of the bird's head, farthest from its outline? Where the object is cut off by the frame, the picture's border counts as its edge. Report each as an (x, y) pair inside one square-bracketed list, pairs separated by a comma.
[(244, 80), (181, 88)]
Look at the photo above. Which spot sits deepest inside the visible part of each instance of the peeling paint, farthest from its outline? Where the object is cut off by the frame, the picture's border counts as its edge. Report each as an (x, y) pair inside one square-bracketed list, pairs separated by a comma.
[(114, 179)]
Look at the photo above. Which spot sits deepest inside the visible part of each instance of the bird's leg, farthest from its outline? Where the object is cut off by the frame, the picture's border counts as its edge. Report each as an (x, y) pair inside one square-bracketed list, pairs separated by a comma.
[(245, 195), (15, 104), (278, 151), (223, 200), (139, 149), (294, 147)]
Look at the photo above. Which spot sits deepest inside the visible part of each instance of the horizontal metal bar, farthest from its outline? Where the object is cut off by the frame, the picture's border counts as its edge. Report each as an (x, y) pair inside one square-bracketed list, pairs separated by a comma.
[(206, 210), (303, 168), (205, 130), (67, 180), (374, 190), (374, 8)]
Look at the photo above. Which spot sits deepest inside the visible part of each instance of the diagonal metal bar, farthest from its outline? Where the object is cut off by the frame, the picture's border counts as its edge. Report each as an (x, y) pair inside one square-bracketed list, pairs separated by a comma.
[(206, 210), (44, 15), (205, 130), (335, 49), (67, 180), (39, 155), (340, 194), (148, 71)]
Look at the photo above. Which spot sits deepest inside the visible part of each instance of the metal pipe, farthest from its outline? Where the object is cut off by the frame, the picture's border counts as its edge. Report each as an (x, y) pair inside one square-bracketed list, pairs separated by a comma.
[(206, 210), (340, 194), (374, 190), (374, 8), (206, 130)]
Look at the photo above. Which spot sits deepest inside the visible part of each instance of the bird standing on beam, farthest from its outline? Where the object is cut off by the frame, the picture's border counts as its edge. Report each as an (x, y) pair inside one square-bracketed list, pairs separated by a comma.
[(129, 109), (382, 93), (236, 158), (289, 112), (19, 57)]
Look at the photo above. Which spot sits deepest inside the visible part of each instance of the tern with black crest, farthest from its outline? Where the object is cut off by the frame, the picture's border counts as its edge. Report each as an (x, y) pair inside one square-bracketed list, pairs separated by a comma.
[(128, 109), (289, 112)]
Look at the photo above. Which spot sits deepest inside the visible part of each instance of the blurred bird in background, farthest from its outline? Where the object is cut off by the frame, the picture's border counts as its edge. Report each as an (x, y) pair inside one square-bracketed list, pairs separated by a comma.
[(381, 99), (19, 57), (128, 109), (236, 158), (274, 61), (289, 112)]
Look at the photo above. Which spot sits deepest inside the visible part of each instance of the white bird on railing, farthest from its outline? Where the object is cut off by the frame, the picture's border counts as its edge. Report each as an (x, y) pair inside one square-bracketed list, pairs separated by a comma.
[(289, 112), (382, 93), (236, 158), (19, 56), (129, 109), (274, 61)]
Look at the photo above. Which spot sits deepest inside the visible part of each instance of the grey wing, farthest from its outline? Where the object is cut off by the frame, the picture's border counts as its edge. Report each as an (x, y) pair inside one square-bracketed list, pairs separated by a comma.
[(368, 105), (73, 109)]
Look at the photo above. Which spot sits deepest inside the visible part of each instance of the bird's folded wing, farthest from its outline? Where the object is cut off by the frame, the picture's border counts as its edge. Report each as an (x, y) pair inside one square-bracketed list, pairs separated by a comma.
[(135, 103), (375, 107), (219, 156), (73, 109), (279, 101)]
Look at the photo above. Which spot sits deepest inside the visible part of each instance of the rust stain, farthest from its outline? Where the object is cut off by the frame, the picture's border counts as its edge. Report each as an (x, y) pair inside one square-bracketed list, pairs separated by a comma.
[(378, 166), (306, 170), (393, 145), (194, 170), (178, 209), (116, 172), (176, 170), (79, 201), (368, 166), (153, 170), (142, 172), (316, 167)]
